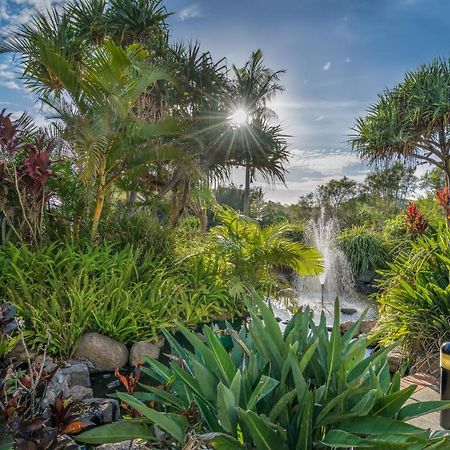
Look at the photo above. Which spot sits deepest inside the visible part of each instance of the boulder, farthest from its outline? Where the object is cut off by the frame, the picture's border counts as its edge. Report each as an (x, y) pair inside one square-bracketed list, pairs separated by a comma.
[(142, 349), (104, 353)]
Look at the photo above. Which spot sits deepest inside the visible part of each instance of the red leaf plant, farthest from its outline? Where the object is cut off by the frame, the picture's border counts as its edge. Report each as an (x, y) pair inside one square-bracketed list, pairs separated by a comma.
[(415, 220)]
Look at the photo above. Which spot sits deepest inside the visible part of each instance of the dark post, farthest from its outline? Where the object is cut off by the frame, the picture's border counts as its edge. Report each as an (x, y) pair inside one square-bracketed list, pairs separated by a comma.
[(445, 384)]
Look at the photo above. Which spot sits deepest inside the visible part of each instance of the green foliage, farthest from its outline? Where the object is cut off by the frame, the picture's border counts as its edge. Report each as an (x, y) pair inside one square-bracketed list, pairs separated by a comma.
[(415, 298), (126, 294), (364, 249), (303, 388), (250, 252)]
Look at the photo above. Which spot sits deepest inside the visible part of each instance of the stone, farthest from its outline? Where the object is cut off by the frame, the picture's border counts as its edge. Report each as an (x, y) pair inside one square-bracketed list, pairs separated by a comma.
[(161, 341), (19, 352), (367, 277), (104, 353), (345, 326), (349, 311), (80, 392), (78, 375), (395, 360), (101, 410), (367, 326), (136, 444), (142, 349)]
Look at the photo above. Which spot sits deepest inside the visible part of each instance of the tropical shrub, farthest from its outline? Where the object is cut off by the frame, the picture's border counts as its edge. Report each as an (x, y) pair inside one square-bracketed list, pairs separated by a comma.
[(364, 249), (415, 295), (66, 290), (251, 253), (303, 388)]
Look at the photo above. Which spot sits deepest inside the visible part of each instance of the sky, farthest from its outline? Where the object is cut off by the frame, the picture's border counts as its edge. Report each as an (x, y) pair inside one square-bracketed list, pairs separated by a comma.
[(338, 56)]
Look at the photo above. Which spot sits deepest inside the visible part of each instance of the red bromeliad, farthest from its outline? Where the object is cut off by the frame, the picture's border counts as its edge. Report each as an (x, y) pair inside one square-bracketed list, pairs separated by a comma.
[(415, 220)]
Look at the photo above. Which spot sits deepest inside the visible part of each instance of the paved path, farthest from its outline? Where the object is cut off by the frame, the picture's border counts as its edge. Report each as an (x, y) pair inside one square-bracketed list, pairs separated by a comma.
[(427, 390)]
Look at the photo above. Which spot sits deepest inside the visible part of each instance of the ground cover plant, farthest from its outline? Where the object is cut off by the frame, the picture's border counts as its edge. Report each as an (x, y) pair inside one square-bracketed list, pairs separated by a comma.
[(302, 388), (65, 290)]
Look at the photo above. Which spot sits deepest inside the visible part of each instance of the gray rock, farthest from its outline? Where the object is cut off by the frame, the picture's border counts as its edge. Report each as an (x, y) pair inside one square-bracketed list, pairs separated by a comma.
[(367, 326), (105, 353), (58, 385), (102, 410), (142, 349), (124, 445), (349, 311), (78, 375), (80, 392)]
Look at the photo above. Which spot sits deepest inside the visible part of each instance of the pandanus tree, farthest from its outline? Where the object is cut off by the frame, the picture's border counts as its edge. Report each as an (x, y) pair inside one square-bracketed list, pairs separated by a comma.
[(410, 122)]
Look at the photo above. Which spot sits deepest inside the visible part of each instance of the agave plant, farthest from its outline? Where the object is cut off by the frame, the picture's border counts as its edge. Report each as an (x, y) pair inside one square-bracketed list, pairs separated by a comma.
[(304, 388)]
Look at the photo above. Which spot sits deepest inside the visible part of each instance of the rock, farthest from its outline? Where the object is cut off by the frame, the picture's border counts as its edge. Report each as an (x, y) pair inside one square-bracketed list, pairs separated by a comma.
[(367, 326), (105, 353), (396, 360), (161, 341), (80, 392), (367, 277), (66, 442), (78, 375), (142, 349), (101, 410), (345, 326), (58, 385), (124, 445), (349, 311), (19, 352)]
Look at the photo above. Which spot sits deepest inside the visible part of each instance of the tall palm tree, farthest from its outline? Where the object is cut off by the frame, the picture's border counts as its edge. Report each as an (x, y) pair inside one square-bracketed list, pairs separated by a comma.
[(254, 86)]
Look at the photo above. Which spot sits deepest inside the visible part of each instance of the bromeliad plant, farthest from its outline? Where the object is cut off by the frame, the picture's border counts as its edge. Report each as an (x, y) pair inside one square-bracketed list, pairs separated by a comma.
[(304, 388)]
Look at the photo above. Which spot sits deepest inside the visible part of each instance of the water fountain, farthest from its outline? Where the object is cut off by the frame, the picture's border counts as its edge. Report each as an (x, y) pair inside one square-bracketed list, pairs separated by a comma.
[(336, 280)]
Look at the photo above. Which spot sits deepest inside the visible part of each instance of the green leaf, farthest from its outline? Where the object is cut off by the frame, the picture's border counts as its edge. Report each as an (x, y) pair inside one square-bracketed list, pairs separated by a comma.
[(265, 386), (221, 356), (364, 406), (389, 405), (418, 409), (304, 440), (264, 437), (342, 439), (370, 425), (226, 409), (160, 419), (281, 405), (221, 441), (115, 432)]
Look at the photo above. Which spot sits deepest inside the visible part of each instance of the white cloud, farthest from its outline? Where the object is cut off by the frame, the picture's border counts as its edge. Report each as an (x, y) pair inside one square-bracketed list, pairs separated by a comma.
[(327, 66), (347, 60), (10, 85), (190, 12), (319, 118)]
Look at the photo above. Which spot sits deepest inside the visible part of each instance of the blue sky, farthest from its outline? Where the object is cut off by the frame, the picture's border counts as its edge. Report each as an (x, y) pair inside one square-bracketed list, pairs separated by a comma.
[(338, 54)]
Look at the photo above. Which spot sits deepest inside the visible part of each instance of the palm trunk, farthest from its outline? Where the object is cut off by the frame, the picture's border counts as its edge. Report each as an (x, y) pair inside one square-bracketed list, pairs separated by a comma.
[(99, 202), (247, 191)]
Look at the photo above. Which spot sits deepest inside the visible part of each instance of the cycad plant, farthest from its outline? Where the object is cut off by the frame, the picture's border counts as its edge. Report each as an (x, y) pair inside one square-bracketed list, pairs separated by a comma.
[(304, 388), (251, 253)]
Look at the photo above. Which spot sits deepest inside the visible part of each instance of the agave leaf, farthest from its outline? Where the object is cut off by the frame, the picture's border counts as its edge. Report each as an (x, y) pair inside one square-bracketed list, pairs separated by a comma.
[(390, 405), (373, 425), (116, 432), (265, 386), (264, 436), (162, 420), (221, 441), (421, 408), (305, 438), (222, 358), (226, 409), (342, 439)]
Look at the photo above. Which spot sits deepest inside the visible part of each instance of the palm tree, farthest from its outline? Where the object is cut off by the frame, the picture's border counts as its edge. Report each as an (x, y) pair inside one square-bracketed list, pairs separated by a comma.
[(252, 252), (254, 85), (97, 107)]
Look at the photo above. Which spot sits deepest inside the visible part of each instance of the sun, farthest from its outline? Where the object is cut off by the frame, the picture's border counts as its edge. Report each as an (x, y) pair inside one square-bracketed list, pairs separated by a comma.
[(239, 118)]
